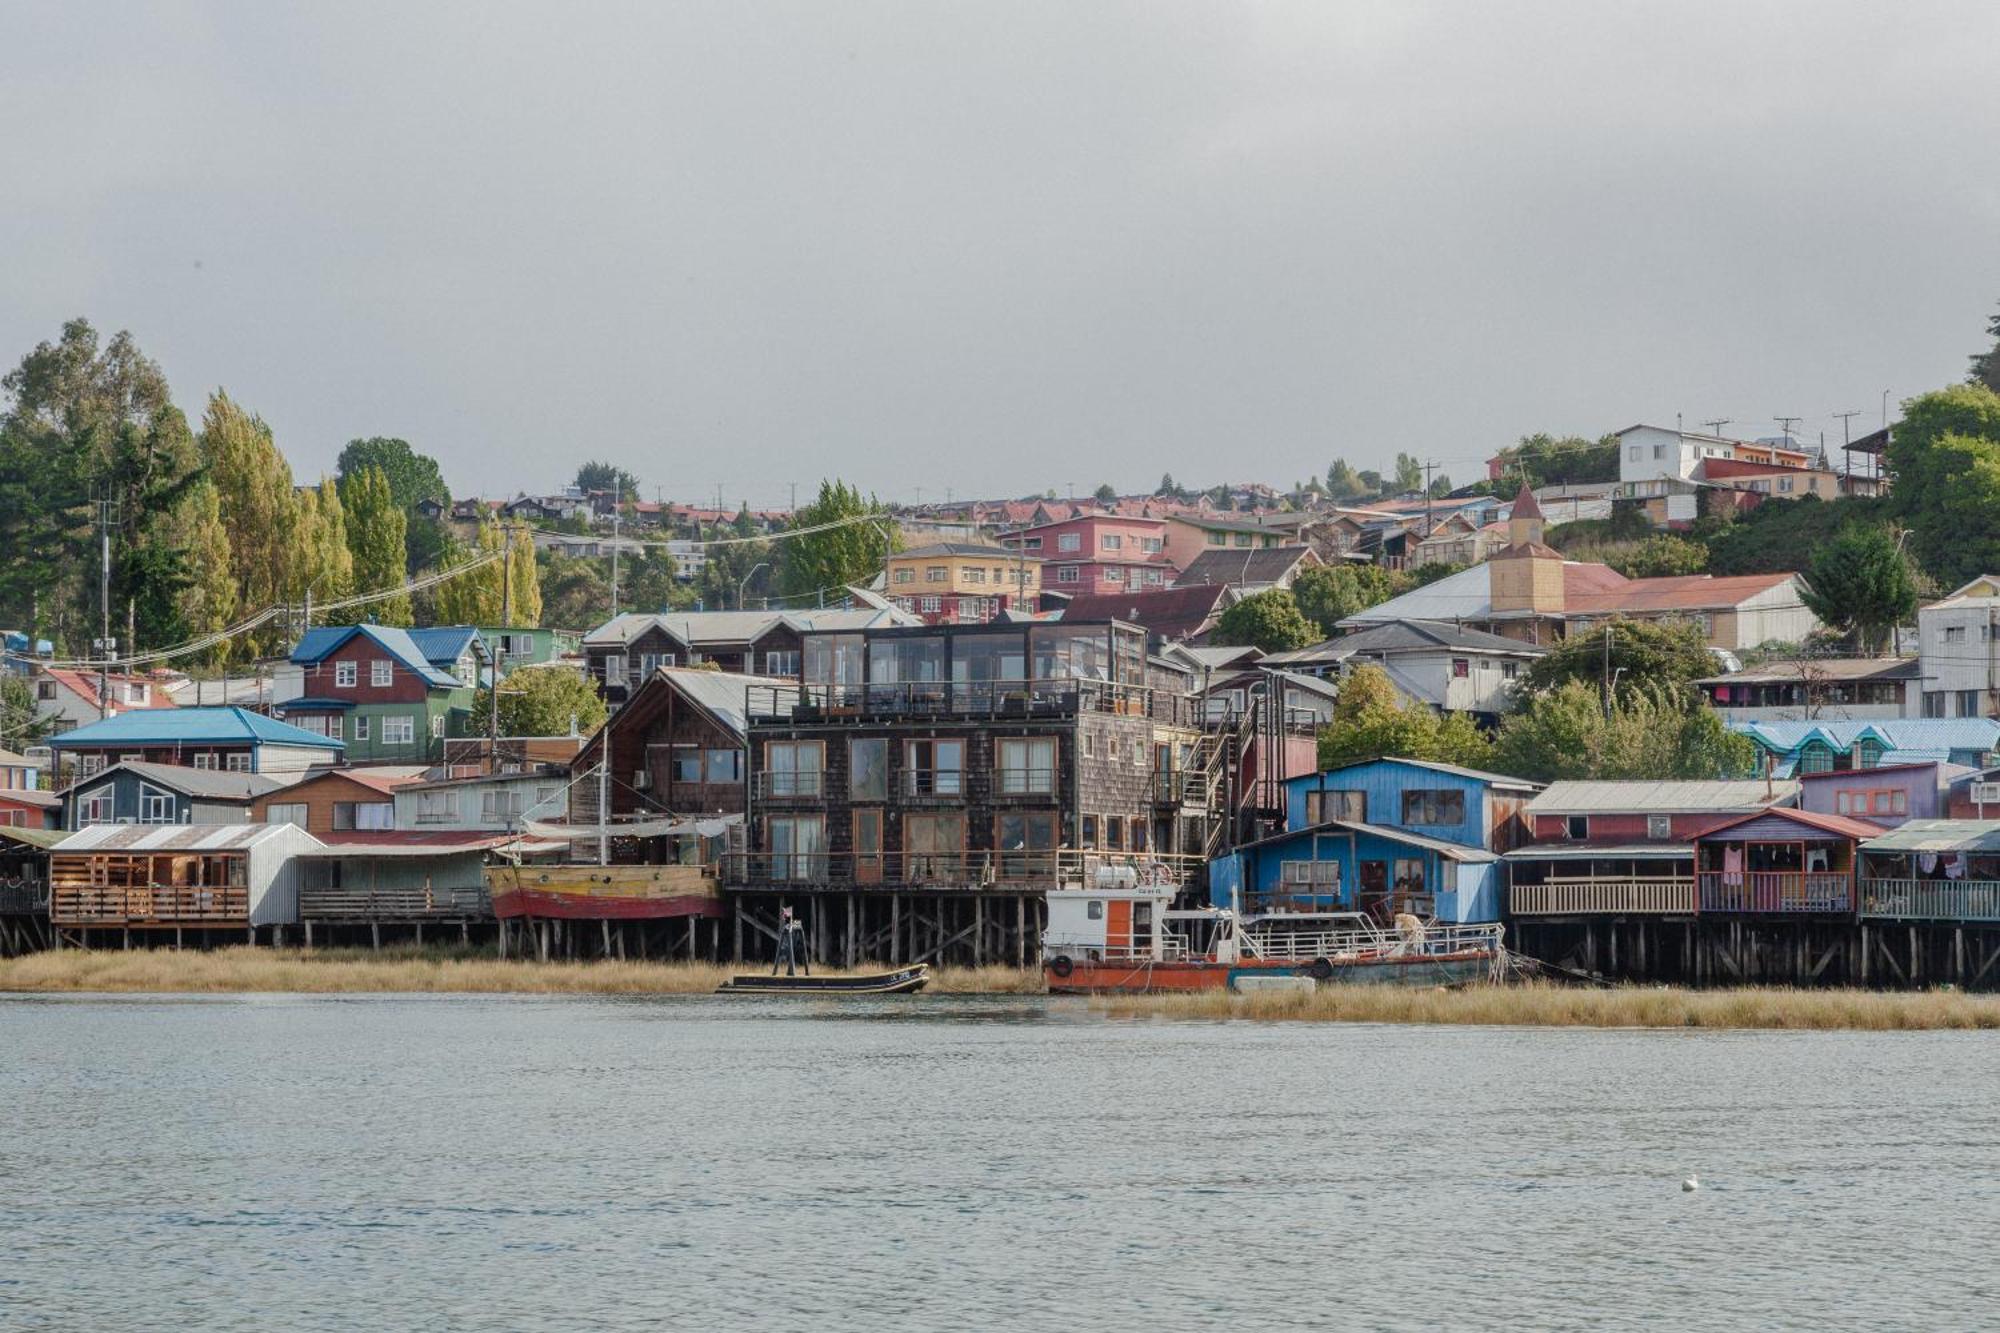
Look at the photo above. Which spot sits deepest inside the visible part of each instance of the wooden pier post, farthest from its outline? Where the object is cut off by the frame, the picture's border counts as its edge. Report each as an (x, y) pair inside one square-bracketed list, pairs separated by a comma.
[(895, 928), (1021, 929)]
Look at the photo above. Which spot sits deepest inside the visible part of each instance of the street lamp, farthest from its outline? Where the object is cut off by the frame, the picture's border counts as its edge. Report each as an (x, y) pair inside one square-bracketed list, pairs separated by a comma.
[(744, 582)]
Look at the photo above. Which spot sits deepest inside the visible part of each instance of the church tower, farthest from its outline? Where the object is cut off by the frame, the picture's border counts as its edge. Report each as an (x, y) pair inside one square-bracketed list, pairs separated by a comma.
[(1527, 575)]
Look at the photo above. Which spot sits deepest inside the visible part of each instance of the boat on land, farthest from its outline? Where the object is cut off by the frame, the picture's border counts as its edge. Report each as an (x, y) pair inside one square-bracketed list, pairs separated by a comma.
[(606, 892), (1124, 938), (902, 981)]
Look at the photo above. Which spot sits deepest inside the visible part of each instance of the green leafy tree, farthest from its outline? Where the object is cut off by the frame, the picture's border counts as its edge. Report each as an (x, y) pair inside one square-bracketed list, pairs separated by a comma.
[(259, 509), (545, 701), (1431, 571), (1861, 583), (608, 477), (1409, 473), (374, 528), (852, 552), (1986, 365), (1342, 482), (1369, 722), (1549, 460), (411, 476), (1167, 488), (1778, 538), (474, 597), (1107, 494), (22, 722), (1372, 483), (1565, 733), (1656, 557), (1646, 658), (208, 601), (1943, 447), (1440, 486), (1269, 620), (1329, 594), (575, 593)]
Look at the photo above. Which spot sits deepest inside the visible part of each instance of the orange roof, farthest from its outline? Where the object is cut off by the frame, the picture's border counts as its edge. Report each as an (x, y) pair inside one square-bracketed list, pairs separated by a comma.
[(1582, 578), (1685, 592), (84, 685)]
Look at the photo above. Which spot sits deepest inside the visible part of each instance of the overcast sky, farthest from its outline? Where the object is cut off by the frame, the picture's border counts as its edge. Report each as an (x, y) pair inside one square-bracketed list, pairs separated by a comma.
[(1001, 247)]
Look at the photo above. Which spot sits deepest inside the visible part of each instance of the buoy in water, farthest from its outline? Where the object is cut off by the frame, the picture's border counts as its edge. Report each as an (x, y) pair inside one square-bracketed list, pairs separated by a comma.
[(1690, 1185)]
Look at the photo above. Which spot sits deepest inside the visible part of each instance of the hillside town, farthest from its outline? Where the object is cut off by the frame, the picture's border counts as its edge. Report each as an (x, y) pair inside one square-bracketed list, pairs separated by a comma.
[(1579, 700)]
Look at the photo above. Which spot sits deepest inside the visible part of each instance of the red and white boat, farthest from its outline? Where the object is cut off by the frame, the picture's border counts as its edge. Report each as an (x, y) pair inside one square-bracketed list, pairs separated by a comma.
[(1122, 936)]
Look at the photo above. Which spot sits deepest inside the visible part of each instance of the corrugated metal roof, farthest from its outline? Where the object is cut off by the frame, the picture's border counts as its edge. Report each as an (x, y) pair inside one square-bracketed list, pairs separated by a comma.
[(1456, 851), (725, 694), (1903, 733), (177, 837), (1492, 779), (1661, 798), (1602, 851), (1939, 835), (209, 783), (191, 726)]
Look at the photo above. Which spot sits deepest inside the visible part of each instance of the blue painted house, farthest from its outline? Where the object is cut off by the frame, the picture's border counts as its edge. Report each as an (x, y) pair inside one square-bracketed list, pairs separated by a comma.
[(1797, 748), (1382, 836), (136, 792)]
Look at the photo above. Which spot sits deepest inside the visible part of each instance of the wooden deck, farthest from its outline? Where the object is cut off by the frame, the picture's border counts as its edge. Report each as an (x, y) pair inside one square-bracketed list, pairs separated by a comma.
[(149, 905), (1658, 896), (1776, 891), (1931, 899), (414, 904)]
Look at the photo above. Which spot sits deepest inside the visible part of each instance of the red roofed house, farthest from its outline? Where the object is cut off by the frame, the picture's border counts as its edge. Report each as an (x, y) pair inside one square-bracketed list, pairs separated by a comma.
[(1529, 591), (341, 800), (1170, 615), (1098, 553), (70, 697)]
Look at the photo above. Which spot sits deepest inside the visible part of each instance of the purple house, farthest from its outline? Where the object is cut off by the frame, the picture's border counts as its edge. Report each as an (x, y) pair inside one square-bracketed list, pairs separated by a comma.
[(1887, 795)]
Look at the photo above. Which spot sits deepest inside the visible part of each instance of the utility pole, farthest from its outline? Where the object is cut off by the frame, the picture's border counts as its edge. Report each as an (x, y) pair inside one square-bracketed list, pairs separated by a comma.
[(494, 654), (1607, 673), (105, 643), (1785, 426), (1847, 459), (1715, 426), (617, 503), (1429, 468)]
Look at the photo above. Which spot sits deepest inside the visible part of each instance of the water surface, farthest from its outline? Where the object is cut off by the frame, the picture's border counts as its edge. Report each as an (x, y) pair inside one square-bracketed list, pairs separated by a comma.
[(481, 1162)]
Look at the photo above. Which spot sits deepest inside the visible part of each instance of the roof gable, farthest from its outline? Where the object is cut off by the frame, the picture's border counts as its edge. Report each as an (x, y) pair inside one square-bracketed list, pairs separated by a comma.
[(192, 726)]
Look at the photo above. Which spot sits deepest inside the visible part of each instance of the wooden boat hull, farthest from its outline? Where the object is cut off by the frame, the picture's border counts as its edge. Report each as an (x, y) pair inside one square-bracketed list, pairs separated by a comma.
[(1130, 977), (602, 893), (903, 981)]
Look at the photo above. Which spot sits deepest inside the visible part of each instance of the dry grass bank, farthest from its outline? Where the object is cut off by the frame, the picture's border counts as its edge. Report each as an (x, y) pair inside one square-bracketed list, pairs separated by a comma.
[(329, 971), (1543, 1005)]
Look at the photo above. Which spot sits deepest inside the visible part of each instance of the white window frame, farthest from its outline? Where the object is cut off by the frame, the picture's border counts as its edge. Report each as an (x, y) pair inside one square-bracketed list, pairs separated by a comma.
[(99, 807), (399, 730), (346, 675), (361, 728), (287, 812), (1069, 541), (381, 673), (437, 726), (156, 805), (236, 762)]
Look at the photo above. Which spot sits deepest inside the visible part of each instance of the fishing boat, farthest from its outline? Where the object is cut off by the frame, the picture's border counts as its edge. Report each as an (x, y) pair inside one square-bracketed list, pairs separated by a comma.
[(903, 981), (1126, 938)]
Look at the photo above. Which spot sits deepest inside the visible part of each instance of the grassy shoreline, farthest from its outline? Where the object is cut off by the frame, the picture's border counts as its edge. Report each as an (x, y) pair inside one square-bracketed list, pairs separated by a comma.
[(446, 970)]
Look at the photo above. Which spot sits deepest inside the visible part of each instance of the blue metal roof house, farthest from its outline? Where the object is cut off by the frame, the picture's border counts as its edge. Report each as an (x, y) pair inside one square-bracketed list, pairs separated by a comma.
[(233, 740), (1382, 836), (1793, 748)]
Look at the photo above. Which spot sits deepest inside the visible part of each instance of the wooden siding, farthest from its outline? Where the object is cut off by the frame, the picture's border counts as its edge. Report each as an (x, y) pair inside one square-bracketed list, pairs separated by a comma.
[(319, 795), (404, 686)]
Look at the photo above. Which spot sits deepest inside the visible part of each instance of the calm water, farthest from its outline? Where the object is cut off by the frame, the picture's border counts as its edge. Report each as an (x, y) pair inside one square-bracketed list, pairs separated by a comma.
[(279, 1162)]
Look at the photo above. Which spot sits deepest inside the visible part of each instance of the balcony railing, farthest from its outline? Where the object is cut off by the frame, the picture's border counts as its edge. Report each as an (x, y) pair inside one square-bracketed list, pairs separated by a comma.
[(786, 783), (1661, 895), (1932, 899), (23, 897), (1776, 891), (399, 904), (149, 905), (969, 869), (1024, 782), (1063, 697)]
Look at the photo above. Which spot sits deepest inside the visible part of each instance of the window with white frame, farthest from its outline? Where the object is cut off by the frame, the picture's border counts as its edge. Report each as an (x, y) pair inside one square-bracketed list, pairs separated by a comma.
[(155, 806), (1031, 543), (345, 675), (614, 668), (381, 673), (237, 762), (781, 662), (437, 807), (204, 762), (906, 575), (1111, 541), (437, 726), (1067, 574), (973, 574), (95, 808), (930, 605), (1156, 576), (361, 728), (1113, 574), (1151, 544), (399, 731), (1069, 541), (293, 812), (936, 574), (135, 693), (1659, 827), (1027, 766)]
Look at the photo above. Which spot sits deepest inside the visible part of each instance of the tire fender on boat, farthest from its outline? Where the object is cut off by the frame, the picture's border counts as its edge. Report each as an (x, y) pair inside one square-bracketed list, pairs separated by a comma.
[(1321, 970), (1061, 965)]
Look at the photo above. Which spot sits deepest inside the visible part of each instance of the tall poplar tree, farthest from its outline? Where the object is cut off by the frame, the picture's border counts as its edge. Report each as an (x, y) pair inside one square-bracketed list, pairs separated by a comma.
[(253, 486), (375, 538)]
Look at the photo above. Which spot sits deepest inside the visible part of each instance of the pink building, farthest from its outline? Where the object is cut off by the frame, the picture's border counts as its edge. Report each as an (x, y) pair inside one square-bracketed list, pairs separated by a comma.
[(1094, 554)]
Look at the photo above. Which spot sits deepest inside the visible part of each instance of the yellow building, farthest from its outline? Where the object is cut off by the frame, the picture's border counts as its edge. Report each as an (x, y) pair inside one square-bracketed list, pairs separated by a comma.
[(962, 583)]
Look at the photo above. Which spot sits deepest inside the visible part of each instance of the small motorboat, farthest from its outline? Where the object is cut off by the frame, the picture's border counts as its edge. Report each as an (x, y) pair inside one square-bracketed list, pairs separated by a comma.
[(903, 981)]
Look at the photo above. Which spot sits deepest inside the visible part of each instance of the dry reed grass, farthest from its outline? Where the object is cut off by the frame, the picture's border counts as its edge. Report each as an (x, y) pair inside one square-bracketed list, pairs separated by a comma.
[(1538, 1004), (329, 971)]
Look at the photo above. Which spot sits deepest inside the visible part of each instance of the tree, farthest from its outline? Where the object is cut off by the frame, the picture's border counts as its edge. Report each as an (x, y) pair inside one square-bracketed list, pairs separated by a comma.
[(1566, 733), (1431, 571), (852, 552), (411, 476), (374, 527), (1657, 557), (1342, 483), (1167, 487), (1371, 482), (1370, 722), (609, 478), (1106, 495), (1440, 486), (253, 487), (525, 606), (1268, 620), (22, 722), (1861, 583), (1986, 365), (474, 597), (1939, 449), (1548, 460), (208, 602), (545, 701), (1409, 473), (1329, 594), (1654, 659), (575, 593)]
